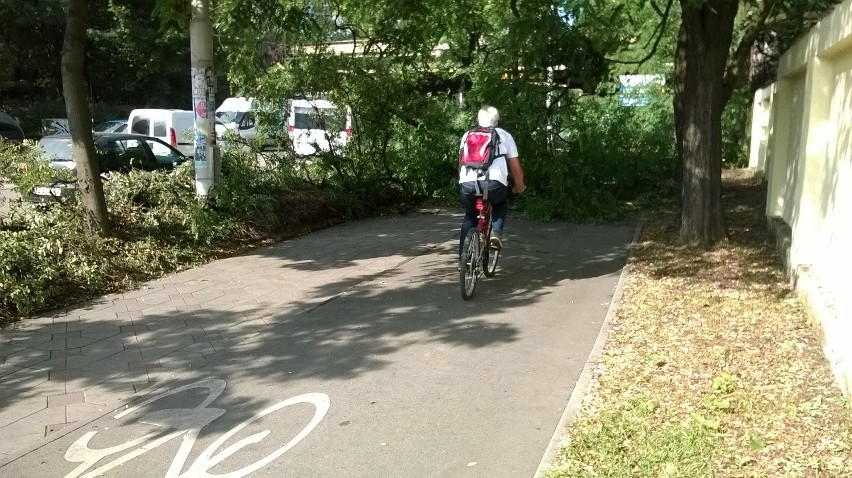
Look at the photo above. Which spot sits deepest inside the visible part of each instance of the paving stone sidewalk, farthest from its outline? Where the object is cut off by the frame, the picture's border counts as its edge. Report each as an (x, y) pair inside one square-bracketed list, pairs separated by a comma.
[(74, 365)]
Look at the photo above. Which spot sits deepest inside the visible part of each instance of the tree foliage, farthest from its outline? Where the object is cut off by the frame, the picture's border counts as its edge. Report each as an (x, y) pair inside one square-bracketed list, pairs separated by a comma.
[(132, 57), (31, 35), (138, 58), (420, 69), (745, 51)]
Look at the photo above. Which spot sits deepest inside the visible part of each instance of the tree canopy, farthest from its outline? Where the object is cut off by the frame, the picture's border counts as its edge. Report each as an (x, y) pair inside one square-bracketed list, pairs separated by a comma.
[(420, 66), (132, 57)]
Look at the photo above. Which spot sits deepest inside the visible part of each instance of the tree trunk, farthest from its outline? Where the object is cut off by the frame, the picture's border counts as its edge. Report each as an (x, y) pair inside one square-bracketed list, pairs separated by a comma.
[(702, 52), (80, 118)]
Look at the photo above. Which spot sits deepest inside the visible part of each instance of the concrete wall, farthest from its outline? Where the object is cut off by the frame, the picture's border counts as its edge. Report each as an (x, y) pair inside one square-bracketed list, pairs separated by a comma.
[(761, 116), (802, 139)]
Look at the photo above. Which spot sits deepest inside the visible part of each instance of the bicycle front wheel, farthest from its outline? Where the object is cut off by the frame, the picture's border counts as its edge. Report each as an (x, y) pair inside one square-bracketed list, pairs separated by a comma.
[(470, 262)]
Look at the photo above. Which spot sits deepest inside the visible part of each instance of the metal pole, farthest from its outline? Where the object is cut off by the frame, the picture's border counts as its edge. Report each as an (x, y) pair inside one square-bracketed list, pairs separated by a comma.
[(203, 97)]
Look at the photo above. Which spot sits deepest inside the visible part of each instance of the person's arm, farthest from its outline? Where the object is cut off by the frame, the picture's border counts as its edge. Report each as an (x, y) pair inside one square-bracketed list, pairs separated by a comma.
[(517, 173), (461, 147)]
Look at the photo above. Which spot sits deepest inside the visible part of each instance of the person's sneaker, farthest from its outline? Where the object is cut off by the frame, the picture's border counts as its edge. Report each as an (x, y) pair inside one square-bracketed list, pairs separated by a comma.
[(496, 241)]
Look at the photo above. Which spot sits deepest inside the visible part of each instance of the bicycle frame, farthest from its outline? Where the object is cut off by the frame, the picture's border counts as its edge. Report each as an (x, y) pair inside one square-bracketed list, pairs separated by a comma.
[(484, 225)]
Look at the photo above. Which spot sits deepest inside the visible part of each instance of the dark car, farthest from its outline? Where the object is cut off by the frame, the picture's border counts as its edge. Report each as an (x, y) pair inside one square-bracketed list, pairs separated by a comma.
[(116, 152), (10, 129)]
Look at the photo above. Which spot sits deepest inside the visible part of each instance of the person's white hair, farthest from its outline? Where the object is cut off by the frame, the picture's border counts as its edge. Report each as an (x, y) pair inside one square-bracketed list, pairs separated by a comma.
[(488, 116)]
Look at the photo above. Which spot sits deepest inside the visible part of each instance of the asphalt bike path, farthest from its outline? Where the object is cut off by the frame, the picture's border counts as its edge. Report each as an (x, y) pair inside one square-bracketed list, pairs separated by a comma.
[(369, 364)]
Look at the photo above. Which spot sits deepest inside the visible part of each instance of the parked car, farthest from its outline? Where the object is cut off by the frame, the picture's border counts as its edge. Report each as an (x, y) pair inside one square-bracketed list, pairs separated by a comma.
[(10, 129), (52, 126), (116, 152), (237, 116), (318, 125), (175, 127), (111, 126), (313, 124)]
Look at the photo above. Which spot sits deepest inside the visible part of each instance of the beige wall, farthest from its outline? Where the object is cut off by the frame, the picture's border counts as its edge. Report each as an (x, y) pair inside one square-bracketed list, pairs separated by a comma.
[(761, 116), (805, 150)]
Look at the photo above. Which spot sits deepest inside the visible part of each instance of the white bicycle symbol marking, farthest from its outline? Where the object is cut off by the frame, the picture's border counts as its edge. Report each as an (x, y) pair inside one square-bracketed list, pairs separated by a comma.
[(189, 422)]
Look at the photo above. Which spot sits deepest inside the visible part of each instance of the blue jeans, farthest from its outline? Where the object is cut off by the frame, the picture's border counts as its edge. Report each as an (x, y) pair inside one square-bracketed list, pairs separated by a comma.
[(499, 207)]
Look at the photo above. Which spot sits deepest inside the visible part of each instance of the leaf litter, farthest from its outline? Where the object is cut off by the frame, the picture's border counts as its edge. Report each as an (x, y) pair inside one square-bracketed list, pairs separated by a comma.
[(711, 367)]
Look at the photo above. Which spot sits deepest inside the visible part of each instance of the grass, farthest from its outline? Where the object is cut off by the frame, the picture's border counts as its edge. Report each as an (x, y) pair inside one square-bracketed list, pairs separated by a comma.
[(622, 443), (712, 368)]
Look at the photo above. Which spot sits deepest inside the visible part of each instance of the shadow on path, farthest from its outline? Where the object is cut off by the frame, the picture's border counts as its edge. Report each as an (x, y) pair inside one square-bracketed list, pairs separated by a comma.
[(337, 305)]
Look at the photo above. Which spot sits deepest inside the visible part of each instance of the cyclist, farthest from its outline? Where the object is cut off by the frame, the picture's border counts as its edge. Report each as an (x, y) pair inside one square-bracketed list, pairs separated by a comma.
[(496, 179)]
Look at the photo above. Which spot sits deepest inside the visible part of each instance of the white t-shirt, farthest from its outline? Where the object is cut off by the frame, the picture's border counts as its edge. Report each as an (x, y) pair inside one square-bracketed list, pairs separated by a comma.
[(499, 170)]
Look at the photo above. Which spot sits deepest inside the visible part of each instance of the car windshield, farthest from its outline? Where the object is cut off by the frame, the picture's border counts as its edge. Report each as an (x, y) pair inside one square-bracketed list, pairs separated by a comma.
[(59, 149), (228, 116), (9, 128)]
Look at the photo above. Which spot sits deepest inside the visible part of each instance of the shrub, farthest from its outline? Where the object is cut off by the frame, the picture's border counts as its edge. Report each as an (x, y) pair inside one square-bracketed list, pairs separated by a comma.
[(163, 205), (735, 134), (28, 276), (49, 258), (599, 156), (47, 255), (26, 167)]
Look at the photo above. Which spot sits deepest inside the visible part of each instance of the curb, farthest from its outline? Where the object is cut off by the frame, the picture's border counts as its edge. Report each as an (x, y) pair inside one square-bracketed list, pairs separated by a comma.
[(584, 382)]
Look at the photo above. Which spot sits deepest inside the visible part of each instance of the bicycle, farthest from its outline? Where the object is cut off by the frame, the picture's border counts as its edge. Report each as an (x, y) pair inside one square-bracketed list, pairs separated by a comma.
[(478, 257)]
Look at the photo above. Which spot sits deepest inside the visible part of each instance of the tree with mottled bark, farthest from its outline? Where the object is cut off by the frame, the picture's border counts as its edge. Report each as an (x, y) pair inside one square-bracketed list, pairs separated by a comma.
[(714, 52), (704, 41), (80, 117)]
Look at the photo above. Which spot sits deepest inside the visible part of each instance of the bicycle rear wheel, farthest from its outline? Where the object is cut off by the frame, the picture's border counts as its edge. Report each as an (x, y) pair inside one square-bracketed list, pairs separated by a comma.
[(470, 263), (491, 257)]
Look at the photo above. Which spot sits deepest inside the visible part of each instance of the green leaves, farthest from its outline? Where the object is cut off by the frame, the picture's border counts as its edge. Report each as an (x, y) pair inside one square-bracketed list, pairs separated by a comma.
[(725, 383), (48, 259), (177, 12), (415, 60), (756, 442), (27, 167), (711, 424)]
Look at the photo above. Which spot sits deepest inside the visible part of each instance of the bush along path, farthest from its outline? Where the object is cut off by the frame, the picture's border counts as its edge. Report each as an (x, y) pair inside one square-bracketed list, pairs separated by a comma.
[(49, 259), (711, 368)]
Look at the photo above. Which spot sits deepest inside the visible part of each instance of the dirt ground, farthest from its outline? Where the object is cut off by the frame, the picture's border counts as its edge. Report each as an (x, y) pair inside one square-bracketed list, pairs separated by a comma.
[(713, 342)]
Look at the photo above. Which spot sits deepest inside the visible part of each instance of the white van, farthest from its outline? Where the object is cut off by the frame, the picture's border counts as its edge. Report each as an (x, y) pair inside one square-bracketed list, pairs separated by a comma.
[(318, 125), (175, 127), (235, 114)]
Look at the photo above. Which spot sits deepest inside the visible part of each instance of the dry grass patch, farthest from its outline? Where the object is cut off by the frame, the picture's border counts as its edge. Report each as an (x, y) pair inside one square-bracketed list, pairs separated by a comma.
[(712, 368)]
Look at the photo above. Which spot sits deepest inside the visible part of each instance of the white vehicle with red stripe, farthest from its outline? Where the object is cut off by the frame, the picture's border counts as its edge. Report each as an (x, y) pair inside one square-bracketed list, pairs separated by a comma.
[(313, 125), (175, 127)]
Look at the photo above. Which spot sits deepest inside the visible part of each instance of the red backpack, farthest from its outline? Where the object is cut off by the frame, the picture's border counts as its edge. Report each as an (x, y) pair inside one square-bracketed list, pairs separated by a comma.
[(480, 149)]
